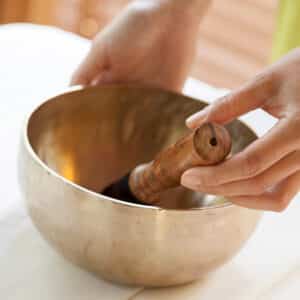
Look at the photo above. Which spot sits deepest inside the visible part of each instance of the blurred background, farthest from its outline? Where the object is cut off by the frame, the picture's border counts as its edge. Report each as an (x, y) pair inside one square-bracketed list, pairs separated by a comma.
[(234, 42)]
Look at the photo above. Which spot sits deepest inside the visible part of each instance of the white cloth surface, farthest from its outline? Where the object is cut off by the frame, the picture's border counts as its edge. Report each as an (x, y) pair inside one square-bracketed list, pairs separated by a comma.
[(36, 62)]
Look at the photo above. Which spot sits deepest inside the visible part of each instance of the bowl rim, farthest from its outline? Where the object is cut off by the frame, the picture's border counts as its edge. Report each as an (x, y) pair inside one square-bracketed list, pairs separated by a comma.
[(99, 196)]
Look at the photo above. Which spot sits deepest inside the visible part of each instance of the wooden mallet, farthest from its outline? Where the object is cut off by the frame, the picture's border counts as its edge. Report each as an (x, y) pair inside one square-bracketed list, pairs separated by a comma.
[(209, 144)]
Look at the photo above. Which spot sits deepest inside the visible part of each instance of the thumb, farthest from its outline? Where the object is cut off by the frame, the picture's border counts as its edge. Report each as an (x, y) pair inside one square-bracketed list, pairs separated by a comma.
[(94, 63), (249, 97)]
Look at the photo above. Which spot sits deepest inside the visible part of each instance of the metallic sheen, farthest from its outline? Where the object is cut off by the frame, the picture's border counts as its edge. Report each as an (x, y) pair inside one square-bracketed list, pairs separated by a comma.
[(79, 142)]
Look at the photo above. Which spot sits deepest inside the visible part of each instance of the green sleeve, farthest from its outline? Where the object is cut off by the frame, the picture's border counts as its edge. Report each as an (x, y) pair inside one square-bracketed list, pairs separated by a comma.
[(287, 35)]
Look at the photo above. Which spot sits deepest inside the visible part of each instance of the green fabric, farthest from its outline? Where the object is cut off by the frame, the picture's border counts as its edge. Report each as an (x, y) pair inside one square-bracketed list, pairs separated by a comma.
[(287, 35)]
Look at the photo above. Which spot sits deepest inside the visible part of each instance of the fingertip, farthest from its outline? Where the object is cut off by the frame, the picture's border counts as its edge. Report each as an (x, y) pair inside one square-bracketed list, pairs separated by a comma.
[(78, 78), (87, 70), (196, 119), (73, 81), (189, 123)]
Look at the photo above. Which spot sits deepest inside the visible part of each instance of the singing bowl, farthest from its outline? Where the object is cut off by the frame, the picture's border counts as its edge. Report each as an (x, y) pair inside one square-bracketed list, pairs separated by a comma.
[(77, 143)]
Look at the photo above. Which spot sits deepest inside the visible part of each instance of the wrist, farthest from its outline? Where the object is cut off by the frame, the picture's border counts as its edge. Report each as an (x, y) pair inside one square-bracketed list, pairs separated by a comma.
[(185, 5), (192, 9)]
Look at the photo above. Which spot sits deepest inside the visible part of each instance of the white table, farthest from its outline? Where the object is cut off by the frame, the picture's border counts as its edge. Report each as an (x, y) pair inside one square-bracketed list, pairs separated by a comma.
[(37, 62)]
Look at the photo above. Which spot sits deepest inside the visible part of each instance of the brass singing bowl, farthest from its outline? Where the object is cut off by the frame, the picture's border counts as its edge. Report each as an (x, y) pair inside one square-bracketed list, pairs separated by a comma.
[(77, 143)]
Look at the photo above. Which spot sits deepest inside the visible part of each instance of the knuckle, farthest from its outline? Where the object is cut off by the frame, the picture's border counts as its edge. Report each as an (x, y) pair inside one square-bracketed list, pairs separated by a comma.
[(227, 104), (266, 84), (251, 165), (221, 105), (258, 186), (262, 78)]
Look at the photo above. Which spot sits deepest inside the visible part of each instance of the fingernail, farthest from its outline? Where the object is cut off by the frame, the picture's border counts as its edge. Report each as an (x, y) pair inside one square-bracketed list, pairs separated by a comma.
[(190, 180)]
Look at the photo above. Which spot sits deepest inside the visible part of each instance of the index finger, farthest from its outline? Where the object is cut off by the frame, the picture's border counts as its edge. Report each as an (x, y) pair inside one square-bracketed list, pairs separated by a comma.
[(256, 158), (249, 97)]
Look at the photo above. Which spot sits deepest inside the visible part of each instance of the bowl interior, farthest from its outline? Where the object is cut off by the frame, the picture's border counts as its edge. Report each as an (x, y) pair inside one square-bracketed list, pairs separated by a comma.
[(95, 135)]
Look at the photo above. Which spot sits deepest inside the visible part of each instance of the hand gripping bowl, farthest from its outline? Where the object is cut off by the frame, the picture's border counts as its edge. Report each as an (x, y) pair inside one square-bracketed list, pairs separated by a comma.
[(77, 143)]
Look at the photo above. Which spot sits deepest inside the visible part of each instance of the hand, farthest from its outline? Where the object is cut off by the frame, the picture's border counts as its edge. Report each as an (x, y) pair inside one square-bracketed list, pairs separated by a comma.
[(265, 175), (148, 43)]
